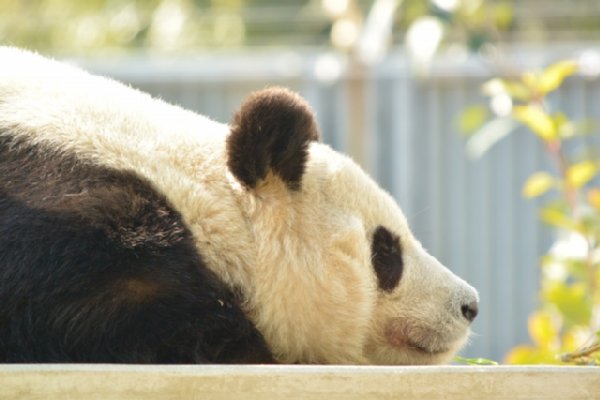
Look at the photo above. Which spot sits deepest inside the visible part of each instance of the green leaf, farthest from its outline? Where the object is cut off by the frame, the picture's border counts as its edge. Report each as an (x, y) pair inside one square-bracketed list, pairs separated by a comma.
[(553, 76), (563, 126), (542, 331), (531, 355), (581, 173), (475, 361), (517, 90), (558, 218), (472, 118), (538, 184), (537, 120), (571, 301)]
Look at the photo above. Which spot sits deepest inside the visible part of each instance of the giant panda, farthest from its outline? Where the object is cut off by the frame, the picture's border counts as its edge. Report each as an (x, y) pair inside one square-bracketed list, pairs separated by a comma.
[(134, 231)]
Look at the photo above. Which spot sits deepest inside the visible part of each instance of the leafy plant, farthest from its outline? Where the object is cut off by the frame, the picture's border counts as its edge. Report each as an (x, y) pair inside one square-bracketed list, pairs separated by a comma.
[(565, 326)]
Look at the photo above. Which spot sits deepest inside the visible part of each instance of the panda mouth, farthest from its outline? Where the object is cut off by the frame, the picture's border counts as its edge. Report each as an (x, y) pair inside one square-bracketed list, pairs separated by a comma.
[(402, 335), (422, 349)]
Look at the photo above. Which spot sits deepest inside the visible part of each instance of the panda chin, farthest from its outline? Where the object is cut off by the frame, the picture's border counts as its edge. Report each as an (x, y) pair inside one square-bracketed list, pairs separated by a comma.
[(414, 344), (413, 354)]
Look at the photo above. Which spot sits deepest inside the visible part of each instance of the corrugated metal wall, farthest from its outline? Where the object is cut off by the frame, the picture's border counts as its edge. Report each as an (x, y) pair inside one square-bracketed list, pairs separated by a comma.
[(468, 213)]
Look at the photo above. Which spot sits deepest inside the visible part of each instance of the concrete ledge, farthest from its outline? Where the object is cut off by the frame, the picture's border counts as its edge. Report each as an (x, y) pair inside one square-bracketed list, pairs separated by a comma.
[(106, 382)]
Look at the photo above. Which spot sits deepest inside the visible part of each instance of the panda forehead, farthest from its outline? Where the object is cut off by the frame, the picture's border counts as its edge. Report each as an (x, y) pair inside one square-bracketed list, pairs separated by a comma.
[(346, 186)]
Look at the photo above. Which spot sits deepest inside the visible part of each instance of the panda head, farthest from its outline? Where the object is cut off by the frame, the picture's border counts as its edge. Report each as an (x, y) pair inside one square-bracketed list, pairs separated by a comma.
[(338, 277)]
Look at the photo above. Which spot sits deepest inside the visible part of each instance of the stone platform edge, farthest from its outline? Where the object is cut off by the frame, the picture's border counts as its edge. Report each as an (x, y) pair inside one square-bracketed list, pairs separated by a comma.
[(265, 382)]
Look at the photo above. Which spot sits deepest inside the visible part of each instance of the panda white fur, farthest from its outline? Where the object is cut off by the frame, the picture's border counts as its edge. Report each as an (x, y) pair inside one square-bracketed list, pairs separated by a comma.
[(132, 230)]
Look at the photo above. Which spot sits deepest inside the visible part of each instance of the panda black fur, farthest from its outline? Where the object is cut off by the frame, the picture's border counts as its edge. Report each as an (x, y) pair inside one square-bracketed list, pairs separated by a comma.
[(97, 266), (134, 231)]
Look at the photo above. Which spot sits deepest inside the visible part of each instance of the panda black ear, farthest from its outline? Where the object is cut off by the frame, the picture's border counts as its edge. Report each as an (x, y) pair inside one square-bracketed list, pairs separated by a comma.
[(271, 131)]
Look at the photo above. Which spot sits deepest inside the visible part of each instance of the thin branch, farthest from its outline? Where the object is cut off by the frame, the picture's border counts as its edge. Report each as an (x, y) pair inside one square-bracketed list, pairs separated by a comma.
[(581, 353)]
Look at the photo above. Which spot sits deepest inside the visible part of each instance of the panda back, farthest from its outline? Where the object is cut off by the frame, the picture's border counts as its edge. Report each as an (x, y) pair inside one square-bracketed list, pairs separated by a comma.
[(96, 262)]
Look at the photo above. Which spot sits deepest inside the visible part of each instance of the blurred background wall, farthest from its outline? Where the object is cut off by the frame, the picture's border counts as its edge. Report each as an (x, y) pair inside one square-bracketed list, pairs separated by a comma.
[(388, 80)]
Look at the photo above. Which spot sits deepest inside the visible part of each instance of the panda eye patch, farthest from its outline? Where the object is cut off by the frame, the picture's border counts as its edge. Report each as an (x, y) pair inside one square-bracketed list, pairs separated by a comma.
[(387, 258)]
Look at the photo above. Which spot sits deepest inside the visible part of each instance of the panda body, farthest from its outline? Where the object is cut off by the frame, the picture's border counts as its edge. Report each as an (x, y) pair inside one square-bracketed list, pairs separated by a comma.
[(135, 231)]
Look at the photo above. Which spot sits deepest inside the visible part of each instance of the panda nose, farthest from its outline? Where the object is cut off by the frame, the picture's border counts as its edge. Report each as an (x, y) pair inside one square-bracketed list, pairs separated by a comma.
[(469, 311)]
